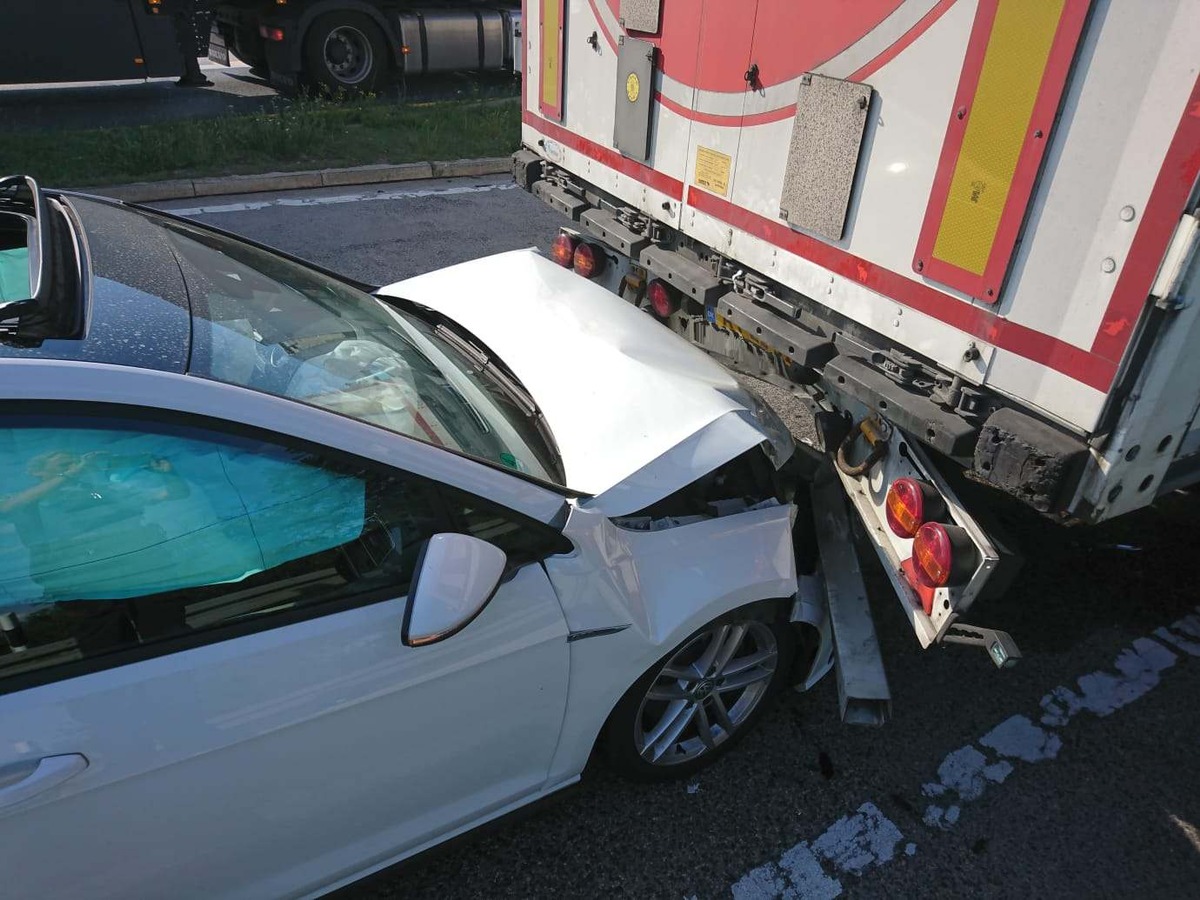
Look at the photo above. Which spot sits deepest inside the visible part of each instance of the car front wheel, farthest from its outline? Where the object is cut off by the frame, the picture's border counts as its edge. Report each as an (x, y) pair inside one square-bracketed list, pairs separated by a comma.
[(699, 700)]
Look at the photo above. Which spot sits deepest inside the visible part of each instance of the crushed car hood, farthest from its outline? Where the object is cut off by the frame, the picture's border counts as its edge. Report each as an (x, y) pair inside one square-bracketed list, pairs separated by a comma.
[(637, 412)]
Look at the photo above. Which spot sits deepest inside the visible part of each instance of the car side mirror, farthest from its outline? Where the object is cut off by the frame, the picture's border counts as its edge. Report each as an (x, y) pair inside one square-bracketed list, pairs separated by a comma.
[(455, 578)]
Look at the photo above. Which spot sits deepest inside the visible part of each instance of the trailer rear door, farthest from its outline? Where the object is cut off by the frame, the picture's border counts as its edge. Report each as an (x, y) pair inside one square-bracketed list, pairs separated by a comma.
[(65, 40)]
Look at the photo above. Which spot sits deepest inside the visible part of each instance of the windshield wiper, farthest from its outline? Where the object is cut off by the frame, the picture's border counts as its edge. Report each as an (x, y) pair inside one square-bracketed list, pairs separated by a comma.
[(513, 389)]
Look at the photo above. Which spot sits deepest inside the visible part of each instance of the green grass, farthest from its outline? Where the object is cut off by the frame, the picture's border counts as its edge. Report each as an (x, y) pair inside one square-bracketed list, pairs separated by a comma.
[(301, 134)]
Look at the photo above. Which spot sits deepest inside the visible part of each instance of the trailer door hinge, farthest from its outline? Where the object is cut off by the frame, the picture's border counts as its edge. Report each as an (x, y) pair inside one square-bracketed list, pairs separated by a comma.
[(1182, 248)]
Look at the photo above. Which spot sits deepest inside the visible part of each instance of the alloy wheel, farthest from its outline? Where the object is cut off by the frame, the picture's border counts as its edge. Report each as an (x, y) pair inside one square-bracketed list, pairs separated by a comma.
[(705, 692)]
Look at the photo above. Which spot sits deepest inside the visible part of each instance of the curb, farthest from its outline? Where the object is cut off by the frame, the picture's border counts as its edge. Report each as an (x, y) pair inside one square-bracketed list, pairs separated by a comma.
[(185, 188)]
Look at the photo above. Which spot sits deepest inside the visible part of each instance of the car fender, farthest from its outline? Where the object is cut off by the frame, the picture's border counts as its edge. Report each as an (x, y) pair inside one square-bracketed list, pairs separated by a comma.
[(630, 597)]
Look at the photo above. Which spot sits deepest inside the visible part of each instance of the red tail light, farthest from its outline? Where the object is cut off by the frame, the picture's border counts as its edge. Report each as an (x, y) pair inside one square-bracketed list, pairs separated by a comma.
[(909, 504), (663, 299), (270, 33), (562, 250), (933, 555), (589, 260), (942, 555)]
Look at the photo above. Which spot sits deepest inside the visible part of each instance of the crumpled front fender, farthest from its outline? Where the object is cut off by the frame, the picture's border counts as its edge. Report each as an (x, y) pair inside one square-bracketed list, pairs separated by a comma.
[(662, 586)]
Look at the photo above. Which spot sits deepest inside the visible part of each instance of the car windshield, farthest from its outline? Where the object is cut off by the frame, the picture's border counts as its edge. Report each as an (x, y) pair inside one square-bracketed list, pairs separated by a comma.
[(265, 322)]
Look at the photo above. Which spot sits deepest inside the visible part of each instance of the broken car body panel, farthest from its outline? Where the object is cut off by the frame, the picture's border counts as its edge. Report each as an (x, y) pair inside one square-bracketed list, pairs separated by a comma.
[(692, 415)]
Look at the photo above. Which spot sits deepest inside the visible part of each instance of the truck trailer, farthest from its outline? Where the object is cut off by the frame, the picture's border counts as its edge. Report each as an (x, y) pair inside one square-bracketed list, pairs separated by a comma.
[(964, 230), (332, 45)]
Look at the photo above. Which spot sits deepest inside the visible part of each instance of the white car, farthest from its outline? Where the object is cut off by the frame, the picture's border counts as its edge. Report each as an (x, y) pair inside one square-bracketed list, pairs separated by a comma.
[(297, 581)]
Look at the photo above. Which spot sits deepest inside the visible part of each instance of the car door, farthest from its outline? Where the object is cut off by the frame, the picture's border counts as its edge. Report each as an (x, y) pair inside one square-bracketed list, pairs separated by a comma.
[(203, 689)]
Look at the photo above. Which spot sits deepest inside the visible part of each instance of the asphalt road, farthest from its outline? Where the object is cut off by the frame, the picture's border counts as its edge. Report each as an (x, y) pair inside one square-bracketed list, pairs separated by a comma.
[(234, 90), (1074, 774)]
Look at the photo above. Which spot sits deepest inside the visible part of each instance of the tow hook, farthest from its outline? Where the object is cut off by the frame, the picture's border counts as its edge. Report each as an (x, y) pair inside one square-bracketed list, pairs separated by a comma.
[(876, 432)]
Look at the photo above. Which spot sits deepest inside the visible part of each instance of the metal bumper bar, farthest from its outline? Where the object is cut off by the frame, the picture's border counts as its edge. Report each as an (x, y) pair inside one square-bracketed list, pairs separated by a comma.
[(862, 682)]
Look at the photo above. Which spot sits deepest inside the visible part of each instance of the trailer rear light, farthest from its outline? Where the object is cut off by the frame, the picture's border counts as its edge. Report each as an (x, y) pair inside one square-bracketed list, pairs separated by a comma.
[(932, 554), (589, 260), (270, 33), (562, 250), (942, 555), (909, 504), (663, 299)]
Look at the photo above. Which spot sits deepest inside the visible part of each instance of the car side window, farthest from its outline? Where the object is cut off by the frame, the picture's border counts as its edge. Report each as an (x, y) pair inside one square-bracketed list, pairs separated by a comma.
[(117, 537)]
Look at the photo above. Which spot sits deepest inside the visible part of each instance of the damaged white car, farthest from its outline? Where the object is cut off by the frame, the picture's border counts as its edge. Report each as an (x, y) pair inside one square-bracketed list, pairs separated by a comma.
[(297, 581)]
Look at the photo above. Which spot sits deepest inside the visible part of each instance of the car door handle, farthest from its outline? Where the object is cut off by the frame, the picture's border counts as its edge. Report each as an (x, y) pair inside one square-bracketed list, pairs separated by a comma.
[(50, 772)]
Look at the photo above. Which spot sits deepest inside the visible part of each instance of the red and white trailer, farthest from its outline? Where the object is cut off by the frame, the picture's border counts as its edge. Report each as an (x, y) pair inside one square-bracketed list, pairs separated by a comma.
[(973, 220)]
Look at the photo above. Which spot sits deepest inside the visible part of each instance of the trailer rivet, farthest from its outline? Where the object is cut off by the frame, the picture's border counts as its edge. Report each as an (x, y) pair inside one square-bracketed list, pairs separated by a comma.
[(962, 112), (971, 353), (1127, 213), (1108, 264), (920, 265)]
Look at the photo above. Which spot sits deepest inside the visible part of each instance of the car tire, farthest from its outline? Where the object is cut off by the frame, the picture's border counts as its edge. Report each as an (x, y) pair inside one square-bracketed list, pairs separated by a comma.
[(699, 700), (345, 52)]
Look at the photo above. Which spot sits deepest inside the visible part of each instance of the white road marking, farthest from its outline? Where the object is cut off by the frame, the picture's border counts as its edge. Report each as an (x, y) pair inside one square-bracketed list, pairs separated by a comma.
[(1189, 831), (1018, 738), (858, 842), (1102, 693), (867, 838), (359, 197)]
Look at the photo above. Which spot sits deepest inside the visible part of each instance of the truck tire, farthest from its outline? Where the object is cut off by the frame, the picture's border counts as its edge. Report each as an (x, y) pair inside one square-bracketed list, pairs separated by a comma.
[(345, 51)]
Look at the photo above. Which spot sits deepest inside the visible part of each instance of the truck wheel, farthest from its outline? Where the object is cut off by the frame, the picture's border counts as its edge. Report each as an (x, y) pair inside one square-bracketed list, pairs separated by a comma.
[(701, 698), (345, 51)]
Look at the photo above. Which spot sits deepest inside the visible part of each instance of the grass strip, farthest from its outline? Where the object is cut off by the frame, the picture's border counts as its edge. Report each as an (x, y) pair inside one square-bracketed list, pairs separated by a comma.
[(305, 133)]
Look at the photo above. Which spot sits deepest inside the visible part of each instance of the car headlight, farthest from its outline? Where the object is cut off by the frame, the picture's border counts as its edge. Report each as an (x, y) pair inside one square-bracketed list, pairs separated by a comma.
[(779, 445)]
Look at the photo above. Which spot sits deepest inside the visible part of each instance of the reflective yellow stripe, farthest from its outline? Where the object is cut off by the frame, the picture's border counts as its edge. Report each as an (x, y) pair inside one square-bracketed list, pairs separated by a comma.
[(550, 60), (1013, 64)]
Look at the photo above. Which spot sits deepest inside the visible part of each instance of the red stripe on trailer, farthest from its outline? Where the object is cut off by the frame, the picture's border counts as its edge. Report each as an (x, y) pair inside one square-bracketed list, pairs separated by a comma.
[(762, 118), (905, 40), (660, 182), (1072, 361), (1170, 193)]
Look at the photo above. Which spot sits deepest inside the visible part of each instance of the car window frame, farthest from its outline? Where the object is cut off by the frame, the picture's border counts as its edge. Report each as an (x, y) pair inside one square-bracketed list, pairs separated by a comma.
[(439, 496)]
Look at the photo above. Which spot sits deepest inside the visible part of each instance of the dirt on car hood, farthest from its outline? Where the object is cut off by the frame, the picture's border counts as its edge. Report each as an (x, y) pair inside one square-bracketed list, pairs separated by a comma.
[(637, 412)]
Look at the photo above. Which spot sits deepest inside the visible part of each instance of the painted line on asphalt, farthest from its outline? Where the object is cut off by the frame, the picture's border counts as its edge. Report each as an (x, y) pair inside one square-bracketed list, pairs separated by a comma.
[(867, 839), (358, 197)]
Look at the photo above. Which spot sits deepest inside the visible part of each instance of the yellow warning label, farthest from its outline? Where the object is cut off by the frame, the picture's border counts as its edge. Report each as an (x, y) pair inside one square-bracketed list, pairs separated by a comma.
[(633, 87), (712, 171), (1013, 64), (551, 69)]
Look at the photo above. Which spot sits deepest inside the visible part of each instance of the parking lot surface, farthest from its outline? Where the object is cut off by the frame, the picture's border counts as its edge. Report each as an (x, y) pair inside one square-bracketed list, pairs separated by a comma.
[(1073, 774)]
